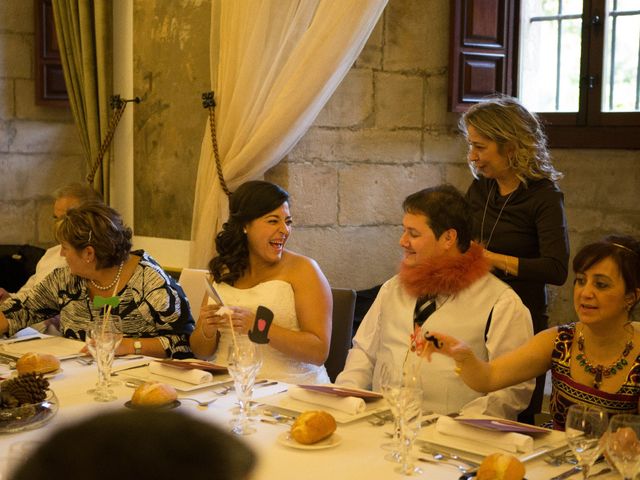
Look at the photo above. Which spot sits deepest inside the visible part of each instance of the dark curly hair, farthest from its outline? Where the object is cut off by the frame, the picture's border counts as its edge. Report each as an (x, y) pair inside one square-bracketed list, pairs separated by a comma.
[(251, 200)]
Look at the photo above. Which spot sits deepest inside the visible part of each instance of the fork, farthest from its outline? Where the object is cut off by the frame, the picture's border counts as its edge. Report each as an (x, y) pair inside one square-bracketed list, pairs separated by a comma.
[(201, 403)]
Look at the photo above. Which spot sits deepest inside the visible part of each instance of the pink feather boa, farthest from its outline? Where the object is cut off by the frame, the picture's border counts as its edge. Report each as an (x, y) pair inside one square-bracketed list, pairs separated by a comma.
[(445, 275)]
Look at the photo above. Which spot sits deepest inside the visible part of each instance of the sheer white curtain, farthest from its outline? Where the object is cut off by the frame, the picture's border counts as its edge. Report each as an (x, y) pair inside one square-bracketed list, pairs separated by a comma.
[(278, 62)]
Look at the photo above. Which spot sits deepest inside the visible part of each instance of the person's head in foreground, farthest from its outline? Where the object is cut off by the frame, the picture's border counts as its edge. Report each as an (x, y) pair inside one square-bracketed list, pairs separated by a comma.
[(154, 445)]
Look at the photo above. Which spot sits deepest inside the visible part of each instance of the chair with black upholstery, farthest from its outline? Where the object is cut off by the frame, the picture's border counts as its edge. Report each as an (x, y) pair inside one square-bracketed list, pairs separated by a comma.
[(17, 264), (344, 301)]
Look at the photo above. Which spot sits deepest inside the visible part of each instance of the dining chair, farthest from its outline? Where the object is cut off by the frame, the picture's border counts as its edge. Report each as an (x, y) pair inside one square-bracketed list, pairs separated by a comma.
[(192, 282), (344, 301)]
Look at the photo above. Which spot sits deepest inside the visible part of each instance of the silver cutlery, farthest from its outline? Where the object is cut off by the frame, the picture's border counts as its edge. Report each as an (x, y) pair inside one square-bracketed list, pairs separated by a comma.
[(278, 417), (462, 468), (442, 455), (201, 403), (568, 473)]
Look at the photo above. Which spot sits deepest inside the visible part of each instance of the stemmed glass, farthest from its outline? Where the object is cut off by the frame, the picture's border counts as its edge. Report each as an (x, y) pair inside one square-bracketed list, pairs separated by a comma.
[(390, 384), (103, 337), (623, 444), (244, 362), (410, 409), (584, 427)]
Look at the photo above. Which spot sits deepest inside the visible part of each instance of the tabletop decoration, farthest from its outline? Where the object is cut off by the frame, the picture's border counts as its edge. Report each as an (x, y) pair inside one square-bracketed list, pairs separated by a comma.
[(25, 403)]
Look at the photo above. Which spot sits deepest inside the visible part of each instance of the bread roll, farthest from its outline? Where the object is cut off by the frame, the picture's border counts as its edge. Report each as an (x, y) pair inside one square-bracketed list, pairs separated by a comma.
[(154, 394), (501, 466), (313, 426), (37, 363)]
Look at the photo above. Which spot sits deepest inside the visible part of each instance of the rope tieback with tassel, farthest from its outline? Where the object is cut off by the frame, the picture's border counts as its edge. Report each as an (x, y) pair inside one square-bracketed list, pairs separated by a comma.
[(118, 105), (209, 102)]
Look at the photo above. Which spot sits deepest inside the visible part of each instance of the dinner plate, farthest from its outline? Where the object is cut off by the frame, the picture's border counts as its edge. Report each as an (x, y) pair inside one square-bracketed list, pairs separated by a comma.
[(169, 406), (332, 441)]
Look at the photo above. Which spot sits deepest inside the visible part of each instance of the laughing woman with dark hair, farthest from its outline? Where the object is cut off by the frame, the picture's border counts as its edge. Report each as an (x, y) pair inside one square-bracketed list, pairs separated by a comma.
[(155, 313), (253, 268)]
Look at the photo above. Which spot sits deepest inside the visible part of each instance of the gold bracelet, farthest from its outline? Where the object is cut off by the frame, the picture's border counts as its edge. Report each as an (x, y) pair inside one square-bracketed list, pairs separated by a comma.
[(506, 264)]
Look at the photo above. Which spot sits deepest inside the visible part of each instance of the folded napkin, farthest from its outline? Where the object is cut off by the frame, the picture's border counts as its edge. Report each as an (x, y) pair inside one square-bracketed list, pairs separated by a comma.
[(350, 405), (193, 375), (511, 442)]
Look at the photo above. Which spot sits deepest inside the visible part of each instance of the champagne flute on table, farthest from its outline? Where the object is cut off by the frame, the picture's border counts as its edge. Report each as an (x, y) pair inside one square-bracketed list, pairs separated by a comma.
[(244, 362), (584, 427), (390, 384), (622, 444), (410, 411), (106, 335)]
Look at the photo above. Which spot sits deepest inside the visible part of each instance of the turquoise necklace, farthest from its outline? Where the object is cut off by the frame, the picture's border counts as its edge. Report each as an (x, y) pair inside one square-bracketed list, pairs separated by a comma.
[(600, 371)]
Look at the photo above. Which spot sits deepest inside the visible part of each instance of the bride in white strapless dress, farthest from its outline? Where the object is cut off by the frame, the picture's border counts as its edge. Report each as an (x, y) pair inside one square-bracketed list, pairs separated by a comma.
[(277, 296), (253, 268)]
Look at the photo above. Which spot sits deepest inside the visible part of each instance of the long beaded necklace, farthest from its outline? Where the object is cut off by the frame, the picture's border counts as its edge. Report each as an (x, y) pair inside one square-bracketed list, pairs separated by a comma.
[(484, 214), (600, 371), (112, 284)]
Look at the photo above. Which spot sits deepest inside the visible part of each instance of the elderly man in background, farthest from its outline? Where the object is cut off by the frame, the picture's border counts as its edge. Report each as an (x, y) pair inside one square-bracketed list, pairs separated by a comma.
[(69, 196), (444, 284)]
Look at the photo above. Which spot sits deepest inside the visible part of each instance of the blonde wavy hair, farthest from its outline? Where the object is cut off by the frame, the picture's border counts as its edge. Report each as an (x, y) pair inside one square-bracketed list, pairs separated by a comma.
[(507, 122)]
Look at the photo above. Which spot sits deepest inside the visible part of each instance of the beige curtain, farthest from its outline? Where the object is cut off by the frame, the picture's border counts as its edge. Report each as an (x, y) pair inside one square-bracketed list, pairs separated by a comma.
[(278, 62), (84, 32)]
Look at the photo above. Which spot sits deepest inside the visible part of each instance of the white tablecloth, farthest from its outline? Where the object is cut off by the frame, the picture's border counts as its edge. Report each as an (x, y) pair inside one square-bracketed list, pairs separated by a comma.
[(358, 456)]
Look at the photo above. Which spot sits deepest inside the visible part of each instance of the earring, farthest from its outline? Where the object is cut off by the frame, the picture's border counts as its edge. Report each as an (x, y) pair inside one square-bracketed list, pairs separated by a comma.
[(244, 230)]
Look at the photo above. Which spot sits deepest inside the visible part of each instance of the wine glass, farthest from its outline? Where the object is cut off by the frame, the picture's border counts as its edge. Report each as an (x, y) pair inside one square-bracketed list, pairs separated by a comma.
[(584, 427), (623, 444), (410, 411), (104, 336), (244, 362), (390, 384)]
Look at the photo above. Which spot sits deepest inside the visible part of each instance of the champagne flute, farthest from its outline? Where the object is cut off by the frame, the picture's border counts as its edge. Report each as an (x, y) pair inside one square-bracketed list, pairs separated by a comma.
[(244, 362), (106, 334), (390, 384), (623, 444), (410, 409), (584, 427)]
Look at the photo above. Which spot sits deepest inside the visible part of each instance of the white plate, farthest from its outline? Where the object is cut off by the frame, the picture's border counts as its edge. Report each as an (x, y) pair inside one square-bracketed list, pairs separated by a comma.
[(332, 441), (143, 373), (283, 401)]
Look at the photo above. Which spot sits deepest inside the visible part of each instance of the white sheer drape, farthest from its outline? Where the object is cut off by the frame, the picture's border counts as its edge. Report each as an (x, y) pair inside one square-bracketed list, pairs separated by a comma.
[(279, 62)]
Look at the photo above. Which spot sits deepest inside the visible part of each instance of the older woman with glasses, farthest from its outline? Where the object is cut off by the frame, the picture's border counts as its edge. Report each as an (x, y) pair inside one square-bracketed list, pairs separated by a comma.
[(96, 244)]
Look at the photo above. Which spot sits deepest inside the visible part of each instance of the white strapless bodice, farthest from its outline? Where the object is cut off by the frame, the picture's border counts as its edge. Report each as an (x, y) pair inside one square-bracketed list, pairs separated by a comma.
[(277, 296)]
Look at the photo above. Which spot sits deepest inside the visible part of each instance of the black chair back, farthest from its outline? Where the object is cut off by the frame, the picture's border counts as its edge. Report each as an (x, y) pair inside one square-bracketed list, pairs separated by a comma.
[(344, 301)]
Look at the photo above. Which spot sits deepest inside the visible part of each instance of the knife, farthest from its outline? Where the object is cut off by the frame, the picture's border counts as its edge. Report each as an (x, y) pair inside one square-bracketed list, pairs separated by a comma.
[(568, 473)]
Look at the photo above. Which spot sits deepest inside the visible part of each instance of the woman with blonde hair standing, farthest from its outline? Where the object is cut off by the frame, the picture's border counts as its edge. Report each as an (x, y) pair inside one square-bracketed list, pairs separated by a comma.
[(517, 206)]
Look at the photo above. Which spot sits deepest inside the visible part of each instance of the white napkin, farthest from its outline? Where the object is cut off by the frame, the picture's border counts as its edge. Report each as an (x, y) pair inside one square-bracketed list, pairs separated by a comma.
[(350, 405), (193, 375), (509, 441)]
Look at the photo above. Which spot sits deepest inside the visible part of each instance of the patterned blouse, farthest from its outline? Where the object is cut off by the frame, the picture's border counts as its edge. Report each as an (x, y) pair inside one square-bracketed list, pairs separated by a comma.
[(152, 304), (566, 391)]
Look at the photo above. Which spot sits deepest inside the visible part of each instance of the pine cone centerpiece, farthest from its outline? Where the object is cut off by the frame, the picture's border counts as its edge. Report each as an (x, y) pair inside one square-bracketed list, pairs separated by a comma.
[(22, 390)]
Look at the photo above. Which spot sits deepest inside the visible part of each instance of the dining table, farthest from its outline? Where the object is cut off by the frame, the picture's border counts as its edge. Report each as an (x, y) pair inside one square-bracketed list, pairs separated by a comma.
[(356, 453)]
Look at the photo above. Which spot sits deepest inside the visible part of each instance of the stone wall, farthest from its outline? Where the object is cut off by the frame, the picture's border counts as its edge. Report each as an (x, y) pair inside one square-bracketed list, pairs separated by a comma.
[(39, 146), (385, 134)]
